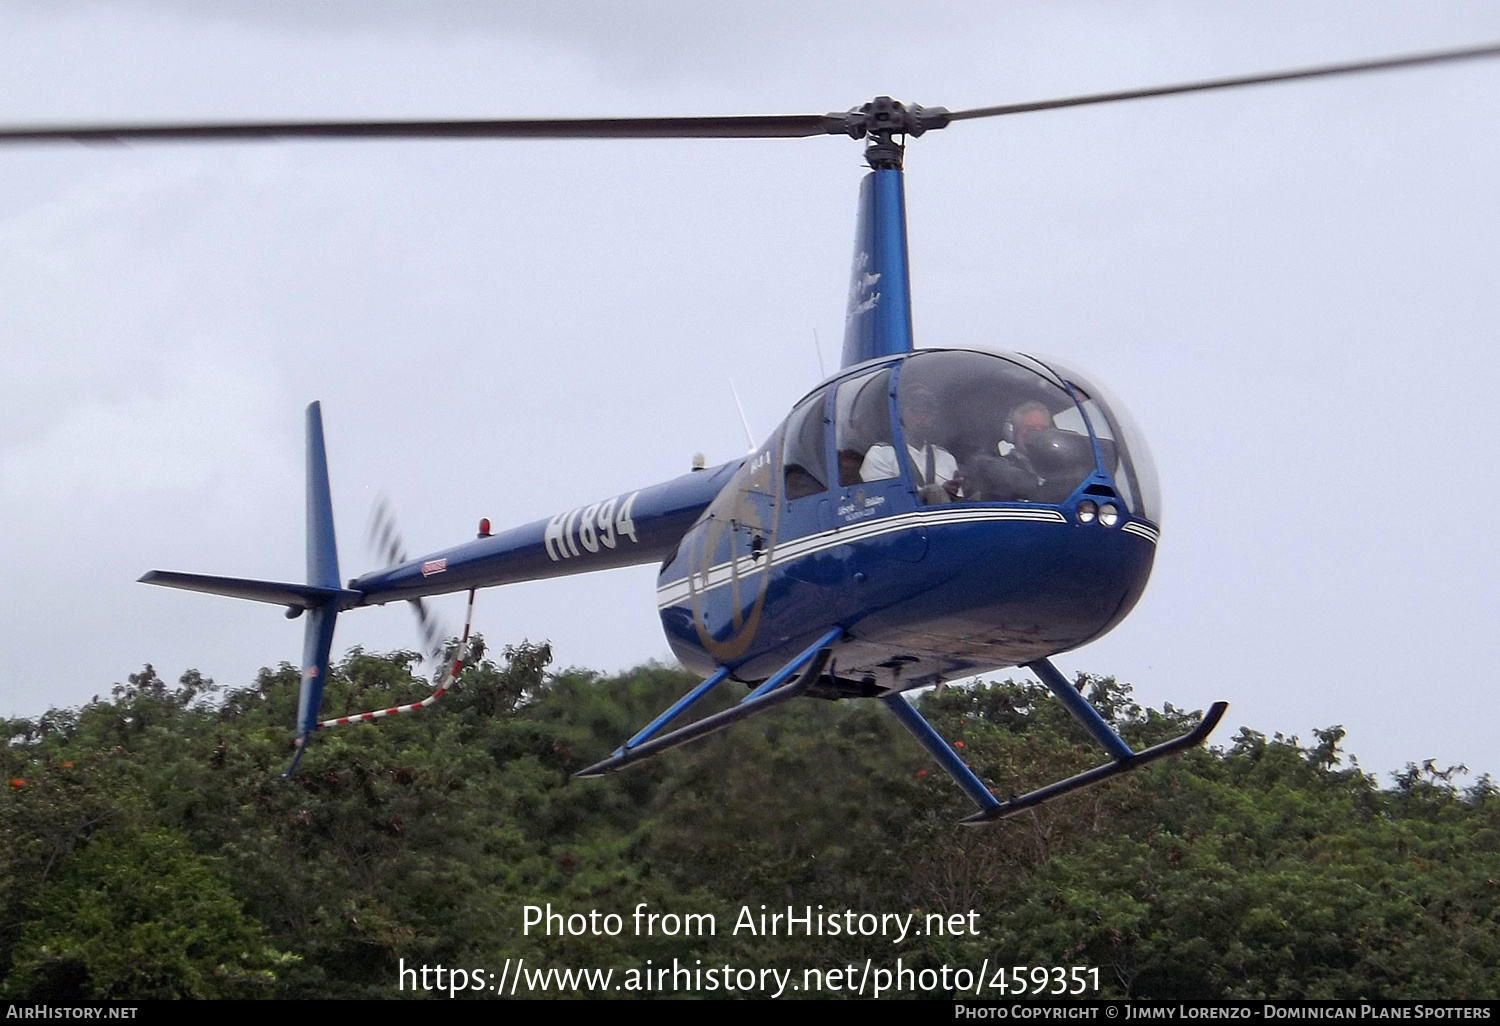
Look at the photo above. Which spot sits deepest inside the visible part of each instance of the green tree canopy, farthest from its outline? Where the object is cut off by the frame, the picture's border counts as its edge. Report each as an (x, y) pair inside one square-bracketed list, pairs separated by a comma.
[(148, 846)]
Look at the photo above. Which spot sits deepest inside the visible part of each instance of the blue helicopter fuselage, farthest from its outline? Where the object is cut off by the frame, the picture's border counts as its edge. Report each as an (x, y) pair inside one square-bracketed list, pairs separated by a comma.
[(923, 595), (920, 516), (951, 511), (1009, 560)]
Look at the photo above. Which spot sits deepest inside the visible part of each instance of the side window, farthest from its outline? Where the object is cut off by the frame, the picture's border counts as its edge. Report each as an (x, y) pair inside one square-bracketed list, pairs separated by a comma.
[(803, 459), (862, 423)]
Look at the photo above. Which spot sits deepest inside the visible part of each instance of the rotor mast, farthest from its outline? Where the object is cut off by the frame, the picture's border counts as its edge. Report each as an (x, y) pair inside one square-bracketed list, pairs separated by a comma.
[(878, 318)]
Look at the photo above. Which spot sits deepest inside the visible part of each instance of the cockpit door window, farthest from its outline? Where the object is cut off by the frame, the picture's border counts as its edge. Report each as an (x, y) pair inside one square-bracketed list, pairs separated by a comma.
[(804, 458), (862, 424)]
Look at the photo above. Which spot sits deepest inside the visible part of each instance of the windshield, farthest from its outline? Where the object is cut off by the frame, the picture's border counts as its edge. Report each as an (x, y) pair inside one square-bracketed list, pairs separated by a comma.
[(981, 428)]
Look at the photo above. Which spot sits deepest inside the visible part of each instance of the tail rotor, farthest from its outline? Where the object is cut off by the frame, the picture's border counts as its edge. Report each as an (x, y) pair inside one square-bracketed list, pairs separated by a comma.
[(385, 541)]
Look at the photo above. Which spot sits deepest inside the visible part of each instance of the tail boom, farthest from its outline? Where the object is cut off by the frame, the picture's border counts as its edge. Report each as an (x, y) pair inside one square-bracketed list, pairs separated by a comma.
[(643, 526)]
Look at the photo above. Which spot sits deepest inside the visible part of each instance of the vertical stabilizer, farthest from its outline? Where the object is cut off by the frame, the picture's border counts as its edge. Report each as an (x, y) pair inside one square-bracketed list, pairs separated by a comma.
[(322, 553), (878, 321), (322, 572)]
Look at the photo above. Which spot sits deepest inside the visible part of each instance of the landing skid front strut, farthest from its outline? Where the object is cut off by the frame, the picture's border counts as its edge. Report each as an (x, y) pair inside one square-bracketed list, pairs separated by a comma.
[(794, 679), (807, 666)]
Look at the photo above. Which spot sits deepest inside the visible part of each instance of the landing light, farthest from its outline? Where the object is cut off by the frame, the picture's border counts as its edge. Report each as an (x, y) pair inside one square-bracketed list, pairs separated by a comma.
[(1109, 516), (1087, 510)]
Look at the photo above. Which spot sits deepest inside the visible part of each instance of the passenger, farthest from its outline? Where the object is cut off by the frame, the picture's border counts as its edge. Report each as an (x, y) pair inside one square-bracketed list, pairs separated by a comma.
[(851, 464), (934, 470)]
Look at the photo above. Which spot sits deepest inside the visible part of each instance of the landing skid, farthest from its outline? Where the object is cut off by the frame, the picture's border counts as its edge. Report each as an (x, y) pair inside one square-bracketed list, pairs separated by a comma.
[(1125, 759), (1098, 774), (808, 666), (798, 676)]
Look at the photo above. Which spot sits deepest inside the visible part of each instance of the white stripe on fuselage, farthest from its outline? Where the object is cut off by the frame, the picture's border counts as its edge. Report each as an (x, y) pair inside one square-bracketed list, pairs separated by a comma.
[(673, 592)]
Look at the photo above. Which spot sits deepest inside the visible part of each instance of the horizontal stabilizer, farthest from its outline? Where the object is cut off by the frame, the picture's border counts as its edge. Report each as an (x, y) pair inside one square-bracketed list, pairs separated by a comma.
[(300, 596)]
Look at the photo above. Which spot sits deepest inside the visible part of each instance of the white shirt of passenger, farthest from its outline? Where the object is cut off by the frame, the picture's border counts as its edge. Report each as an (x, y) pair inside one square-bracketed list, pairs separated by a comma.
[(880, 464)]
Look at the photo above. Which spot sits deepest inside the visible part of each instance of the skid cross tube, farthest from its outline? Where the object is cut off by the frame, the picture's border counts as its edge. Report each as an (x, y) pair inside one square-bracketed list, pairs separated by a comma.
[(792, 667), (1125, 759), (810, 662)]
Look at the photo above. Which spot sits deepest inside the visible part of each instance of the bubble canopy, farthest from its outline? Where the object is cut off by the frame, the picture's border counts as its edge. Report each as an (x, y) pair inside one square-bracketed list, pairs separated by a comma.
[(1135, 471), (991, 427)]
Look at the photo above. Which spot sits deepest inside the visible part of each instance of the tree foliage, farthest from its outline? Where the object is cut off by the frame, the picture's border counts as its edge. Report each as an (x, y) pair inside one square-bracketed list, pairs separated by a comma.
[(148, 846)]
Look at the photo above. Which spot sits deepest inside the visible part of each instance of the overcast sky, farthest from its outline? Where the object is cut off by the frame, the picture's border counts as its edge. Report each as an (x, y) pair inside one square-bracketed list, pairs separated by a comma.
[(1292, 287)]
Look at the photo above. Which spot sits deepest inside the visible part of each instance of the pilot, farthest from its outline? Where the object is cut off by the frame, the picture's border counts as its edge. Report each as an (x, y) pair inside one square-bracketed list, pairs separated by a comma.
[(934, 470), (1027, 418), (1008, 475)]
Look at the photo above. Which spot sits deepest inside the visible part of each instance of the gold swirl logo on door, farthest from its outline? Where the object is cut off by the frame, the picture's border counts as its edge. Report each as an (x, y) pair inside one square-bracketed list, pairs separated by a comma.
[(741, 525)]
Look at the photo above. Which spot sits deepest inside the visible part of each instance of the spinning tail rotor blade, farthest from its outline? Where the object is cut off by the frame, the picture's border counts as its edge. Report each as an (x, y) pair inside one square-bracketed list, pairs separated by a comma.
[(385, 539), (386, 542)]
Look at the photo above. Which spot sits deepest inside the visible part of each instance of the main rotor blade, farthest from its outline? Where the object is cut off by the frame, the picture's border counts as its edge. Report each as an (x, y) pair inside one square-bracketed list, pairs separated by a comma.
[(893, 117), (774, 126), (1324, 71)]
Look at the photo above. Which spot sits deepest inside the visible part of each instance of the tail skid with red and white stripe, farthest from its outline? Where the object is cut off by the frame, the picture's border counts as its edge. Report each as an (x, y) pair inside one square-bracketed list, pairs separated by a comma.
[(450, 673)]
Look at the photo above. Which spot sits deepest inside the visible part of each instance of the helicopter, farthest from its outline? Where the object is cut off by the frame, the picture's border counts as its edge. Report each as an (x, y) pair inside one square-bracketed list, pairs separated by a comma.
[(752, 558)]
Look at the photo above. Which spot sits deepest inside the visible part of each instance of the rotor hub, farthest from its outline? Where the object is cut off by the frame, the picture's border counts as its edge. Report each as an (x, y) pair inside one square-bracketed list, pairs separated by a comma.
[(883, 119)]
